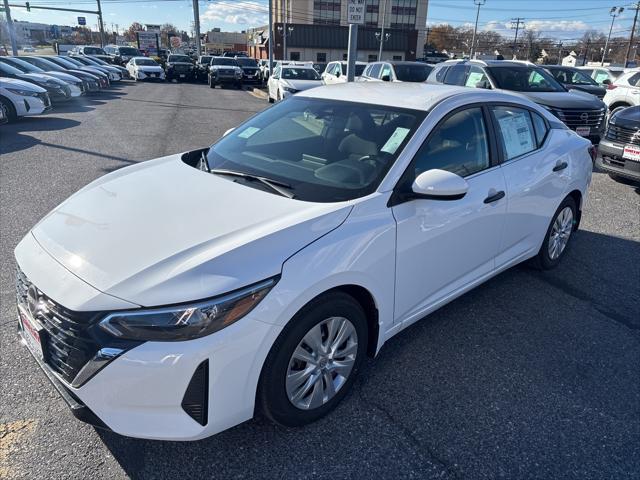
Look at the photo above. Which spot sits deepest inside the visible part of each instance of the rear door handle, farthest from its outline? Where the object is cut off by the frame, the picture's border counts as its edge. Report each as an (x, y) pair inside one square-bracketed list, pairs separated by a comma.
[(560, 166), (495, 197)]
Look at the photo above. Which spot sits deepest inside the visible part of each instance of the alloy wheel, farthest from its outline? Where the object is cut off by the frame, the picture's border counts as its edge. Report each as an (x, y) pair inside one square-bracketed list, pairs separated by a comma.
[(321, 363), (560, 233)]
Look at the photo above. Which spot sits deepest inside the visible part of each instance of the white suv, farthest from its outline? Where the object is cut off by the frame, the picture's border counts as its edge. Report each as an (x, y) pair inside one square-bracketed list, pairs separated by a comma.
[(336, 72), (624, 92)]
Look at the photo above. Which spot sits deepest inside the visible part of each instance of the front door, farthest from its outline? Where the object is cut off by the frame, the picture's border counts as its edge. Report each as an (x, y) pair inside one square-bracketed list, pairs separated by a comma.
[(444, 245)]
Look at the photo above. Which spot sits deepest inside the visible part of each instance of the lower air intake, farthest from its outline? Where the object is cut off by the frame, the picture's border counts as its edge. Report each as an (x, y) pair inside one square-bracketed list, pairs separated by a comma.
[(196, 399)]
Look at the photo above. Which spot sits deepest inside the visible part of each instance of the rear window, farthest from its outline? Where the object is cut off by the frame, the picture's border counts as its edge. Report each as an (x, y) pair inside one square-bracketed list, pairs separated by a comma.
[(146, 62), (412, 73), (525, 79)]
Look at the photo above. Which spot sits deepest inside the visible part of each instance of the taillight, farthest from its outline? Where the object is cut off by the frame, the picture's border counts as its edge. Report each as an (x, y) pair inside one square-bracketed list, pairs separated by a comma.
[(611, 86), (593, 152)]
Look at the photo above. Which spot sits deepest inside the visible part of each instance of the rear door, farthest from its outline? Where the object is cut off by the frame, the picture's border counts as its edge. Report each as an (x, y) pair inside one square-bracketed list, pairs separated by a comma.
[(536, 175)]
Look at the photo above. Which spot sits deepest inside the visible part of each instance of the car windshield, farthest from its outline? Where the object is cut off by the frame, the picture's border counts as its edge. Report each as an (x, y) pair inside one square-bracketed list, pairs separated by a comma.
[(9, 70), (178, 58), (572, 77), (94, 51), (324, 150), (22, 65), (99, 61), (525, 79), (300, 74), (247, 62), (45, 64), (412, 73), (129, 51), (147, 62), (224, 61)]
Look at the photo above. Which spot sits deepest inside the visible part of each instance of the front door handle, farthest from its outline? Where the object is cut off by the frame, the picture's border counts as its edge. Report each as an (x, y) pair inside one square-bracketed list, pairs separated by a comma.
[(495, 197), (560, 166)]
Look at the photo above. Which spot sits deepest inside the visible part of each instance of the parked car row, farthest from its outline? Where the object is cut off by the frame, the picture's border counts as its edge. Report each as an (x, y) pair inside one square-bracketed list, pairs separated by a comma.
[(30, 84)]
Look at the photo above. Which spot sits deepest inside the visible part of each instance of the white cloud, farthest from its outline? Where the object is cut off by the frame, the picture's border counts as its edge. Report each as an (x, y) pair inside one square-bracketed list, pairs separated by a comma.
[(542, 26), (248, 13)]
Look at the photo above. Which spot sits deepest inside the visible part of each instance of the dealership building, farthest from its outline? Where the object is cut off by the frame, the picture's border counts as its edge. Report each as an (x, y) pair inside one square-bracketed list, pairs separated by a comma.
[(317, 30)]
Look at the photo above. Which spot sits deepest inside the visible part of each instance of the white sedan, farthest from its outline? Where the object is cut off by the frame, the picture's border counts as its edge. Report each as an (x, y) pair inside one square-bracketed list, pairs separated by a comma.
[(174, 298), (22, 99), (287, 81), (143, 68)]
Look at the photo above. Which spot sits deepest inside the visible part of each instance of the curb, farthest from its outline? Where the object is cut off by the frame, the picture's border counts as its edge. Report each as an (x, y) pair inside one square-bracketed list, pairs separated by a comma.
[(257, 92)]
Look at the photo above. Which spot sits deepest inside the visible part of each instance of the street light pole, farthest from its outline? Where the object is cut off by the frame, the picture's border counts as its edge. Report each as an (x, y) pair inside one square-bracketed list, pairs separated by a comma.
[(272, 37), (384, 13), (614, 12), (11, 28), (196, 26), (100, 24), (479, 3)]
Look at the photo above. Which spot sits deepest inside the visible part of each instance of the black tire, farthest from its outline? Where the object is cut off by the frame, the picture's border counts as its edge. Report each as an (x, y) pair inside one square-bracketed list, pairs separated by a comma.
[(272, 399), (271, 100), (543, 260), (211, 84), (9, 109)]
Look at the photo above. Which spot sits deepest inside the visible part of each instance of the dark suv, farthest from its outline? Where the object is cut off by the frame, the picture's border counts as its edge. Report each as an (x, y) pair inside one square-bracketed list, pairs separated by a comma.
[(179, 67), (120, 55), (580, 111), (250, 69), (620, 147)]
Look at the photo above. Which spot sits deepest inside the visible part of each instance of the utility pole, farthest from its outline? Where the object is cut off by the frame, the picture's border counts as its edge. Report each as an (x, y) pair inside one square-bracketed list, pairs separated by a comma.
[(559, 53), (196, 26), (272, 37), (614, 12), (384, 14), (516, 23), (11, 28), (479, 3), (586, 52), (100, 24), (636, 7)]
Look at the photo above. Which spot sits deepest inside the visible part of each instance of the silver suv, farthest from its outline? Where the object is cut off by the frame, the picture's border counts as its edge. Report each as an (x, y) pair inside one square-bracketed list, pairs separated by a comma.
[(580, 111)]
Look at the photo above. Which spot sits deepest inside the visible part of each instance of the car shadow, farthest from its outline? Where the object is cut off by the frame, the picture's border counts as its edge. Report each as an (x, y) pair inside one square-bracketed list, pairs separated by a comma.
[(508, 378), (13, 138)]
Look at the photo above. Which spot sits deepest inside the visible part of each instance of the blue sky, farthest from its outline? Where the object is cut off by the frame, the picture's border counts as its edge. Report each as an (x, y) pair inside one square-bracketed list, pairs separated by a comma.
[(566, 19)]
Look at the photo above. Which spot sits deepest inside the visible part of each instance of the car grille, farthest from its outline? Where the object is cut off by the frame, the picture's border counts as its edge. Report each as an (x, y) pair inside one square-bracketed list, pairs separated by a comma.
[(574, 118), (181, 68), (67, 344), (226, 72), (623, 135)]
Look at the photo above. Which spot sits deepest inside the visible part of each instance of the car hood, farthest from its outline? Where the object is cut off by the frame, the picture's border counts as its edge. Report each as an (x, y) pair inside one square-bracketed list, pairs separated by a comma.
[(163, 232), (574, 99), (20, 84), (627, 118), (40, 77), (303, 84), (93, 71), (64, 77), (596, 90)]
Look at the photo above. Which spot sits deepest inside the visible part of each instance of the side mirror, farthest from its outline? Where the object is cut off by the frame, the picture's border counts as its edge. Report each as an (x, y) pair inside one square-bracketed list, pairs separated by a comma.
[(228, 131), (338, 73), (386, 78), (439, 185), (606, 81), (483, 84)]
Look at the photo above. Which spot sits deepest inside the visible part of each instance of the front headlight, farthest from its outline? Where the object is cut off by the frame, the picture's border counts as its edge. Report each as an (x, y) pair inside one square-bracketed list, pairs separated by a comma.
[(552, 110), (187, 322), (23, 93)]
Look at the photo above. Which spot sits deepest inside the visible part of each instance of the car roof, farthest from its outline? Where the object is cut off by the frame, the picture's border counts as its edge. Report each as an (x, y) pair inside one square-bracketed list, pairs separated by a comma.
[(414, 96)]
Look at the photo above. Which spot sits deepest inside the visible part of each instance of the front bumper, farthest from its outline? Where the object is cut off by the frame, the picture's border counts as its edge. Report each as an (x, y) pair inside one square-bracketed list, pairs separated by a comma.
[(150, 76), (611, 161), (29, 106)]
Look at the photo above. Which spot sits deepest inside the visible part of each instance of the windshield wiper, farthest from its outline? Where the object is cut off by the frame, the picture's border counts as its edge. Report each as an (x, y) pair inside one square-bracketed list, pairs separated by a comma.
[(275, 185)]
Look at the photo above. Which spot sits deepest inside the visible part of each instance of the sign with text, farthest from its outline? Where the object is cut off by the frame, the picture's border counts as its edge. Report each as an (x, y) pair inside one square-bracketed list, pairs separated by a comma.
[(355, 11), (148, 42), (82, 21)]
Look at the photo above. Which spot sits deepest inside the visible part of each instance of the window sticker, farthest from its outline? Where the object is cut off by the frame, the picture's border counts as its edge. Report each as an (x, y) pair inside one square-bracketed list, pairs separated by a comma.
[(395, 140), (248, 132), (474, 78), (517, 136)]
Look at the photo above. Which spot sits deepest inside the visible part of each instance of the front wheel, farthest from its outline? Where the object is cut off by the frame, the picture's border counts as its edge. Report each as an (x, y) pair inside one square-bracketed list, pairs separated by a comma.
[(313, 363), (9, 110), (558, 236)]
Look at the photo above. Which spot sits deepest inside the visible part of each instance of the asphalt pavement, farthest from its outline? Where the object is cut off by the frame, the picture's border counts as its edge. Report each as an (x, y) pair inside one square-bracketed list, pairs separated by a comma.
[(532, 375)]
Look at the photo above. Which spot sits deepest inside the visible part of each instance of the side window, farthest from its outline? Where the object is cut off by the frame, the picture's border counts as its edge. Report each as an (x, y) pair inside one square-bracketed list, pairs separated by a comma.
[(374, 71), (455, 75), (441, 73), (540, 127), (458, 145), (634, 80), (276, 73), (601, 76), (475, 77), (517, 133), (386, 70)]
